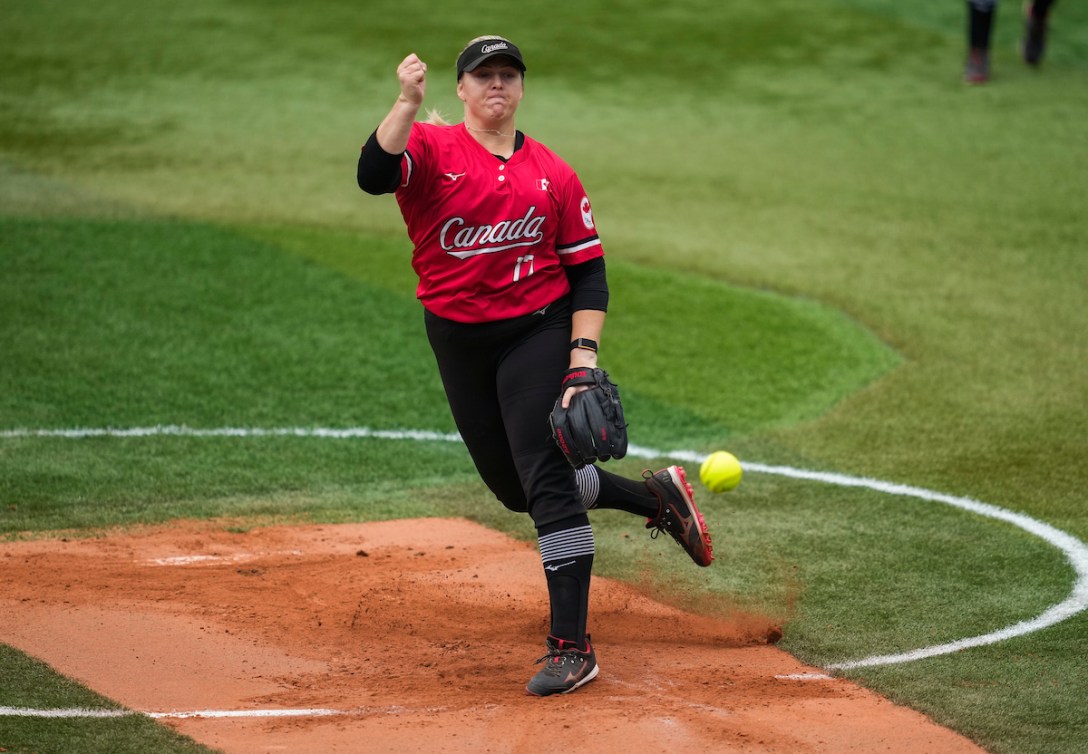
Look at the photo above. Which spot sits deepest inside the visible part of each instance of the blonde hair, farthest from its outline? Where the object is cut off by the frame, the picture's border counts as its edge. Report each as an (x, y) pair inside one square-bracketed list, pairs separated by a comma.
[(436, 118)]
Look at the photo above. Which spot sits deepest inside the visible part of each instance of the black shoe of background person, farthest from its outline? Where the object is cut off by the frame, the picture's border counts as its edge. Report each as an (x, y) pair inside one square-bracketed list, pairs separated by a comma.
[(977, 70)]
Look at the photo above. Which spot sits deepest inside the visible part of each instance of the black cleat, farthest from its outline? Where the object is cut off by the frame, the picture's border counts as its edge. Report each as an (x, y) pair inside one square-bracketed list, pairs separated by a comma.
[(566, 668), (678, 515)]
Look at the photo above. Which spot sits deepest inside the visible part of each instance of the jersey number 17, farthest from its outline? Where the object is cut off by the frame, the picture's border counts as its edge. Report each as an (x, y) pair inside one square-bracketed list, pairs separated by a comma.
[(523, 268)]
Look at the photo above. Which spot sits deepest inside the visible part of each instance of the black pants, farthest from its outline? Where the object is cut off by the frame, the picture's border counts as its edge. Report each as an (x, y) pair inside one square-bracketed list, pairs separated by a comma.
[(502, 379)]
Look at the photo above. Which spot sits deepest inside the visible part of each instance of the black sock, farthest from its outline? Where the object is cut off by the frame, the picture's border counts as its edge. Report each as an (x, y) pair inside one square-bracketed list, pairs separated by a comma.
[(979, 23), (566, 552), (602, 489)]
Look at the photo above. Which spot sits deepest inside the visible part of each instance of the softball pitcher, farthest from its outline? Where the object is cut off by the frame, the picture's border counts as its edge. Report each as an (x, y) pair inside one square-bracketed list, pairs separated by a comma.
[(514, 293)]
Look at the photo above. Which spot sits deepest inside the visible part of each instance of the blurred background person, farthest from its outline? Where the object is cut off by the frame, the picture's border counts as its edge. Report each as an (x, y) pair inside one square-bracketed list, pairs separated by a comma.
[(980, 21)]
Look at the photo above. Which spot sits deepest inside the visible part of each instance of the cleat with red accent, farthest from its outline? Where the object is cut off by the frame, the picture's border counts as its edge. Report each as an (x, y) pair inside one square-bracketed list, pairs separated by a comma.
[(977, 69), (566, 668), (678, 514)]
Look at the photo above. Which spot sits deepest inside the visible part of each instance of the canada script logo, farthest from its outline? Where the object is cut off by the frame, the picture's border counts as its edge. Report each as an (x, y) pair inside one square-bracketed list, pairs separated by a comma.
[(461, 240)]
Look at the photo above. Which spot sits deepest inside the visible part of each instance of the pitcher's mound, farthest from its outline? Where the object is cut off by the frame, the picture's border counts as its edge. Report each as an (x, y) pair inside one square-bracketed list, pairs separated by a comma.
[(412, 636)]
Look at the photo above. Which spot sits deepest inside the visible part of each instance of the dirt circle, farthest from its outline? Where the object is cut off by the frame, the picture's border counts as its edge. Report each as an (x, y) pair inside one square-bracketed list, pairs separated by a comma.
[(411, 635)]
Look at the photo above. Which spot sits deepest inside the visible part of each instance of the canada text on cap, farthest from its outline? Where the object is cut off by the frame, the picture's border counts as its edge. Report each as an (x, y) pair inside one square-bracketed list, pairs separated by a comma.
[(477, 52)]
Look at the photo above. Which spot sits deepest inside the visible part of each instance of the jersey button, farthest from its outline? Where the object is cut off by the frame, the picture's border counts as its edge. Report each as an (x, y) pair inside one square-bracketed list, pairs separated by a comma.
[(502, 177)]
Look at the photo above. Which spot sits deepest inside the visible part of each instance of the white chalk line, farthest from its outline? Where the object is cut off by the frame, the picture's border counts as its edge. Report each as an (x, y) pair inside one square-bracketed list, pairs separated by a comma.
[(1075, 551), (81, 712), (180, 430)]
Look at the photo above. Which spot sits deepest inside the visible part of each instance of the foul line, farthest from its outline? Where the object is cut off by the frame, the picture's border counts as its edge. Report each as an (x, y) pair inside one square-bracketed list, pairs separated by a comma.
[(82, 712), (180, 430), (1075, 551)]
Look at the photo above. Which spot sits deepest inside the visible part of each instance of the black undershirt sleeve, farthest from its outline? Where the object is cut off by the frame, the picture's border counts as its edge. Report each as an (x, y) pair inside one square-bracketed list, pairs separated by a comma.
[(588, 285), (379, 171)]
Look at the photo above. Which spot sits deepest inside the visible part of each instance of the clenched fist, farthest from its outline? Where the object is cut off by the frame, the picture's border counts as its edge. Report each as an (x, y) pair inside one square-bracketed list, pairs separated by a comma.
[(412, 74)]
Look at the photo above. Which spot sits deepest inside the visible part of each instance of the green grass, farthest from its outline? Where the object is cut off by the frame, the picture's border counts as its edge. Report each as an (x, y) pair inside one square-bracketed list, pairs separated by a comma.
[(824, 251), (30, 684)]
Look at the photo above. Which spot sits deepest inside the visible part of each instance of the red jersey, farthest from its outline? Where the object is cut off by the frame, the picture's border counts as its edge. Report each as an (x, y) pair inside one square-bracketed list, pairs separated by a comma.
[(491, 237)]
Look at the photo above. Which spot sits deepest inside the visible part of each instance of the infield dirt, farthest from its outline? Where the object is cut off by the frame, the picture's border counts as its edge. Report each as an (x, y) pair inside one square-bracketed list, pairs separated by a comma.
[(421, 635)]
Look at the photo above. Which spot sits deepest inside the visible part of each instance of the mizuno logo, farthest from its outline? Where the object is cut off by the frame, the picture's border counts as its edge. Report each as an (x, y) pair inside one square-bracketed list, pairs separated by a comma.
[(454, 176), (554, 568), (572, 676), (685, 523)]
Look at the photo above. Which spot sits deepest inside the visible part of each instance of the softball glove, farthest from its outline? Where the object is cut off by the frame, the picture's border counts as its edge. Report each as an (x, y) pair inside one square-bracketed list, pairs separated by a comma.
[(592, 427)]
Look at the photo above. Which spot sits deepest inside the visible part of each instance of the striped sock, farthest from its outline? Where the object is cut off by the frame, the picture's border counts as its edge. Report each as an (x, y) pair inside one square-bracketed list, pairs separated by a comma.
[(589, 485), (600, 489), (566, 544)]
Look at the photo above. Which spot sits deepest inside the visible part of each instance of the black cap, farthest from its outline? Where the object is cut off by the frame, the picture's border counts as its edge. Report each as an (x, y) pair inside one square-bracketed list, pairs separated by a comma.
[(490, 47)]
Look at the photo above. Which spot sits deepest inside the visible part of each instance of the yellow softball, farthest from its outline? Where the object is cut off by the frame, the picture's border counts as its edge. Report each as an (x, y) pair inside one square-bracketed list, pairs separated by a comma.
[(720, 471)]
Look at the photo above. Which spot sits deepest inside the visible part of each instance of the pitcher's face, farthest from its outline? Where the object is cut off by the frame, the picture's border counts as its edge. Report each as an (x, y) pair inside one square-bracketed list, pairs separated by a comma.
[(492, 90)]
